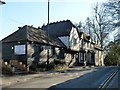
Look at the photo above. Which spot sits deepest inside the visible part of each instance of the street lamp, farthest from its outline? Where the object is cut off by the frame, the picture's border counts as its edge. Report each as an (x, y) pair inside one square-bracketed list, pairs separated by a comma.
[(1, 3)]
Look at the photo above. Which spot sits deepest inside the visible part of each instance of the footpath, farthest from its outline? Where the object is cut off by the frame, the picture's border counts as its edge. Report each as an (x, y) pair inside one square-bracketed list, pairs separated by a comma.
[(9, 80)]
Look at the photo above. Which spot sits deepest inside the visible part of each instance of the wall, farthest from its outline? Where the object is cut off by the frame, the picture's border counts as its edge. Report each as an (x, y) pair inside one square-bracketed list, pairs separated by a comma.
[(96, 58), (99, 60), (74, 37), (35, 55), (8, 52), (59, 54)]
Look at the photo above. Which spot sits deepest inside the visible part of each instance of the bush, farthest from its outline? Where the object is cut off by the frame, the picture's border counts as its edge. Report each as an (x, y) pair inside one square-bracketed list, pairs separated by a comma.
[(6, 70), (60, 67), (33, 67), (51, 65), (42, 65), (59, 61)]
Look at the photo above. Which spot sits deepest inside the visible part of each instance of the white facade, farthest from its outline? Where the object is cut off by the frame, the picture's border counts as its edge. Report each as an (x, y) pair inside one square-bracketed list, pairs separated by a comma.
[(74, 40)]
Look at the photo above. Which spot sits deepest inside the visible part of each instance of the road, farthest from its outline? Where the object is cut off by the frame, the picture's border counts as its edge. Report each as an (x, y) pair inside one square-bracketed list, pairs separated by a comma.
[(86, 78)]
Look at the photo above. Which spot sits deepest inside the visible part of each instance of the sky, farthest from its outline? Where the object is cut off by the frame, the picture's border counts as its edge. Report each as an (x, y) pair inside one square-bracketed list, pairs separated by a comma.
[(17, 13)]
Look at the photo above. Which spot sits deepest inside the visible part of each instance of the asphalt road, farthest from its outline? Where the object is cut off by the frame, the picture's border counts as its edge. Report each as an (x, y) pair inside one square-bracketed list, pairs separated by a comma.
[(87, 78)]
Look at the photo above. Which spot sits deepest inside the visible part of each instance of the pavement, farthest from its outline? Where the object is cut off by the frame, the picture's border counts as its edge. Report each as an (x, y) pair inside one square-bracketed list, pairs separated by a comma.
[(6, 81)]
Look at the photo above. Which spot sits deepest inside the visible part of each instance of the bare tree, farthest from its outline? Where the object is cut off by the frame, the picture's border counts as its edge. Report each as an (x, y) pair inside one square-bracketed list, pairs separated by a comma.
[(101, 23), (113, 8)]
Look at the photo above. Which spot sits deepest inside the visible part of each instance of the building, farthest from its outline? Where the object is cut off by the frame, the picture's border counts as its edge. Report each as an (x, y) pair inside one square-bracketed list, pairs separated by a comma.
[(29, 45)]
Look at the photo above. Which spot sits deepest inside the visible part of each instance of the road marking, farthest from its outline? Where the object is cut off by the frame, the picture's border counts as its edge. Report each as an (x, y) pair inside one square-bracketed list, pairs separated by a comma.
[(53, 84), (76, 73), (103, 85)]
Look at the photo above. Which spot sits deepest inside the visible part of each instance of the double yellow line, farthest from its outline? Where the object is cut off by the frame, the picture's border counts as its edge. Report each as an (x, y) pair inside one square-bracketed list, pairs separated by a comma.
[(105, 83)]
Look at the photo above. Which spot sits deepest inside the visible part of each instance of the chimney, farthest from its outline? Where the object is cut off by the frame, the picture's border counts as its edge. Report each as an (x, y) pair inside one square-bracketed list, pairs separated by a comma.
[(39, 27), (19, 27)]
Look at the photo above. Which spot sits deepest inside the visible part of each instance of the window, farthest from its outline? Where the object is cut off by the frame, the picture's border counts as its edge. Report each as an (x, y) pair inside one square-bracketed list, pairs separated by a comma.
[(75, 41), (83, 43), (88, 45), (82, 56)]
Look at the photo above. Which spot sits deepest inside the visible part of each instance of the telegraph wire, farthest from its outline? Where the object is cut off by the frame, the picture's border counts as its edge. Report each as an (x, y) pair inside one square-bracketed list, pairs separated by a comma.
[(15, 21)]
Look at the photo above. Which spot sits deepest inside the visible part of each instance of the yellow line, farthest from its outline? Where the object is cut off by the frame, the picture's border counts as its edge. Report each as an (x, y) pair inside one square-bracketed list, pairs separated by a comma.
[(106, 81)]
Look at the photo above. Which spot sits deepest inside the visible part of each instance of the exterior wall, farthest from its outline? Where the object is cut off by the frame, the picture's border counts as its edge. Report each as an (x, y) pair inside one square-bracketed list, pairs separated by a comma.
[(80, 42), (99, 60), (8, 52), (37, 53), (30, 51), (74, 40), (33, 56), (68, 57), (96, 58)]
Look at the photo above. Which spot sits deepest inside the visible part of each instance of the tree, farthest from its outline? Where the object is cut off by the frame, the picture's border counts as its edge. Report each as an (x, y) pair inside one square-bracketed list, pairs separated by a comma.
[(88, 29), (100, 24), (113, 55), (113, 8)]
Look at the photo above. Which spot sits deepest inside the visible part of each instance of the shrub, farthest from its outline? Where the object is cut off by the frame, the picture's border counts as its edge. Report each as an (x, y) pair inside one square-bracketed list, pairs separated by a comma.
[(6, 70), (33, 67), (60, 67), (42, 65), (51, 65), (59, 61)]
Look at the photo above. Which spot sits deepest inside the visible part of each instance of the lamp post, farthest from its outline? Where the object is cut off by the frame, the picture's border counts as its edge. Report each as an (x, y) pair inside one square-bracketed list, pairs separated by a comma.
[(48, 39), (1, 3)]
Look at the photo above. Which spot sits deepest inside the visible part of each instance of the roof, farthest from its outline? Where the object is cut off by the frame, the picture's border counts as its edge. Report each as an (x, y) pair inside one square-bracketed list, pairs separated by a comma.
[(97, 47), (19, 35), (91, 51), (56, 29), (61, 28), (33, 34)]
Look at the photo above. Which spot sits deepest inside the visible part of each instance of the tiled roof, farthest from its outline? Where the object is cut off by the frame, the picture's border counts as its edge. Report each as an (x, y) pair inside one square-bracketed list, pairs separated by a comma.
[(39, 36), (56, 29), (61, 28)]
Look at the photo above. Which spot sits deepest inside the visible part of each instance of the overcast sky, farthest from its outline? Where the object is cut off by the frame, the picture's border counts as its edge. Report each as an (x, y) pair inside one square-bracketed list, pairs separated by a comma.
[(17, 13)]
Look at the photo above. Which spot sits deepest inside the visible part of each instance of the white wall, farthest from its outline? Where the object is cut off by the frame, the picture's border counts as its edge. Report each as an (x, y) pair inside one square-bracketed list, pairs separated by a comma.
[(74, 37)]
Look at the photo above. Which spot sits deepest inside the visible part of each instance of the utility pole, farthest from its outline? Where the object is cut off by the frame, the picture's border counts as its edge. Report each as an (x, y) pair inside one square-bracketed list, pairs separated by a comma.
[(48, 38)]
